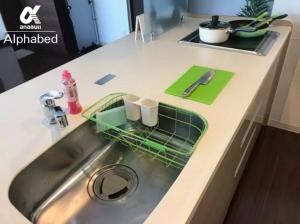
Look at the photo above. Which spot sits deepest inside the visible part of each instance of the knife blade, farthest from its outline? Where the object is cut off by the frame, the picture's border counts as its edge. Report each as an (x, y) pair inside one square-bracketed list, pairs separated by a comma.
[(203, 80)]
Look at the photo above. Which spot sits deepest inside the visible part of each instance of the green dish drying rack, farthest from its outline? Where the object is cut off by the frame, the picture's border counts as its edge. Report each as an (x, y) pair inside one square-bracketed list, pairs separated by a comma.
[(172, 140)]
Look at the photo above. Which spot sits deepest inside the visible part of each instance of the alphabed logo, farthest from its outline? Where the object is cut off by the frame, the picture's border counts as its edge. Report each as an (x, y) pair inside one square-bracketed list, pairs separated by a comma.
[(31, 14), (28, 16), (31, 24)]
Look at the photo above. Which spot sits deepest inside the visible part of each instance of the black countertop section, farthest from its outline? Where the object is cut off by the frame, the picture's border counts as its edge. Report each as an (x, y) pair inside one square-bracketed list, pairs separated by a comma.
[(248, 44)]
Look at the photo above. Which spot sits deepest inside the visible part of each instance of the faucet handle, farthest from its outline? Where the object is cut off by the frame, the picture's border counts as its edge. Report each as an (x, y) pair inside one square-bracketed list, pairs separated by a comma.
[(48, 99), (60, 117)]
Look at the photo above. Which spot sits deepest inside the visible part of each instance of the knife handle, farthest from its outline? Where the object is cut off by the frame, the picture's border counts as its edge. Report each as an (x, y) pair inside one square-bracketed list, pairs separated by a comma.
[(191, 89)]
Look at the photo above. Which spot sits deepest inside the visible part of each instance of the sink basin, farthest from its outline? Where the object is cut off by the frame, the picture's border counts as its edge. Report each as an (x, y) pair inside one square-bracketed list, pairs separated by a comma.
[(90, 179)]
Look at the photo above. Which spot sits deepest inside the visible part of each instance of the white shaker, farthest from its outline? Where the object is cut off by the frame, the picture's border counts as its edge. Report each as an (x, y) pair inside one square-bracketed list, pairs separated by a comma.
[(149, 110), (132, 108)]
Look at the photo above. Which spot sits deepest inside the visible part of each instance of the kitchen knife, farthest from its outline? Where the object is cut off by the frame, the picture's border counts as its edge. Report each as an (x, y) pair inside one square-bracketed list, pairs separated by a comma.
[(203, 80)]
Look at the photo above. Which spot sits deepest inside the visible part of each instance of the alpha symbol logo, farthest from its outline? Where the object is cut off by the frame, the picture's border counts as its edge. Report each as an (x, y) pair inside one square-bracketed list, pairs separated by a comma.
[(31, 23), (29, 14)]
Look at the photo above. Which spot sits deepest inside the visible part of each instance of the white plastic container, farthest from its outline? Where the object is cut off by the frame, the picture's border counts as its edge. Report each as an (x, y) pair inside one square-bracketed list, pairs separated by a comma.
[(132, 108), (149, 110)]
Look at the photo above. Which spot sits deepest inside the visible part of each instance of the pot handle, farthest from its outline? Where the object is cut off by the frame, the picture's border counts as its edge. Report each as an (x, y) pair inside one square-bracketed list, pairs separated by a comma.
[(243, 29)]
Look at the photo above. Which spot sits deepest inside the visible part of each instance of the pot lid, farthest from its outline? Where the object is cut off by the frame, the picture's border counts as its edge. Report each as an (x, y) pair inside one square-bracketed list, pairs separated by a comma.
[(215, 24)]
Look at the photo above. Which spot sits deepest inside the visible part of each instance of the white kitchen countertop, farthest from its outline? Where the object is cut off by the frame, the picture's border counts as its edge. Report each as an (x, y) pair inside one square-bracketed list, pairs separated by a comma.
[(145, 70)]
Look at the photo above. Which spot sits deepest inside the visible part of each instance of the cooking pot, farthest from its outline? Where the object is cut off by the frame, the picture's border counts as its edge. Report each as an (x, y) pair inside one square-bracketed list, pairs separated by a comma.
[(216, 31)]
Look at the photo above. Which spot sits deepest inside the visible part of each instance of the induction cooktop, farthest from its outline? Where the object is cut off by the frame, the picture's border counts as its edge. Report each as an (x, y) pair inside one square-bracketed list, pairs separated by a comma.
[(258, 45)]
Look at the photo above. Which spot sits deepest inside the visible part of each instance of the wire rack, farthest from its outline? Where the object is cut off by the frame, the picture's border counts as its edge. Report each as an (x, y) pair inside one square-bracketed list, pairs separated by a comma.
[(171, 141)]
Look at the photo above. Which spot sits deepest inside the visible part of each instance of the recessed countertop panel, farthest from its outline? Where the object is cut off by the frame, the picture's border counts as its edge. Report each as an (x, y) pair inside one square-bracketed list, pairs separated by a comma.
[(256, 45)]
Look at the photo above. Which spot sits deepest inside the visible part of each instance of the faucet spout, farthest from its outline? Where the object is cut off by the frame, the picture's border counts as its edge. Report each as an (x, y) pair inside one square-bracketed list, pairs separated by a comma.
[(53, 113)]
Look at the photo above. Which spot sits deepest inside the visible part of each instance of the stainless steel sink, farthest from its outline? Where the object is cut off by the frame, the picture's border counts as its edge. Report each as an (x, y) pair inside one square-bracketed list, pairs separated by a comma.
[(88, 179)]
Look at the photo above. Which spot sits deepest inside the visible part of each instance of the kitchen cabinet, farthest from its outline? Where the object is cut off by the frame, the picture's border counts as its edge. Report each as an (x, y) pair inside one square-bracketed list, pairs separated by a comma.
[(213, 206)]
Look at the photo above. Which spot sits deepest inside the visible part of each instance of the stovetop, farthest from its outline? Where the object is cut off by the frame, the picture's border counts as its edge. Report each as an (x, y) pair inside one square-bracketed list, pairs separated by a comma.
[(258, 45)]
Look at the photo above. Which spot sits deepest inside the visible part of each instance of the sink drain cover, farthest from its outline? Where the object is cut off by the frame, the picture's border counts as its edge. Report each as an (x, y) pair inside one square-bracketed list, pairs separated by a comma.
[(112, 183)]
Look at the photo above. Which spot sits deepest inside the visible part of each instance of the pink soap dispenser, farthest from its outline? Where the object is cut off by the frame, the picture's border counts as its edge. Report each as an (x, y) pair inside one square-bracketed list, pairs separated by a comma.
[(70, 91)]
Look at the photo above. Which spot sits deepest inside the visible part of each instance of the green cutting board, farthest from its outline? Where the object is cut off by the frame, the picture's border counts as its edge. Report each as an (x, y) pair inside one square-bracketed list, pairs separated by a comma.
[(204, 93)]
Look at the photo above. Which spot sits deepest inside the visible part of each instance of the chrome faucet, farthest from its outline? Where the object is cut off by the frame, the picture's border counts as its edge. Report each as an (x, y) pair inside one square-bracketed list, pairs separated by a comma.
[(54, 114)]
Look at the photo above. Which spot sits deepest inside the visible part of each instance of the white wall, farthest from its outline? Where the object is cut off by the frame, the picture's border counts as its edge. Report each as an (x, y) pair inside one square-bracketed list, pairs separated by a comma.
[(84, 27), (292, 7), (112, 19), (2, 29), (218, 7), (286, 108)]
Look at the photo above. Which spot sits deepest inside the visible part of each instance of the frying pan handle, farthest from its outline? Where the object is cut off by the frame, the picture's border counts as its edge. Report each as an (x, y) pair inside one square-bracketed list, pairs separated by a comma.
[(262, 16), (270, 20), (279, 17), (258, 19), (243, 29), (276, 17)]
